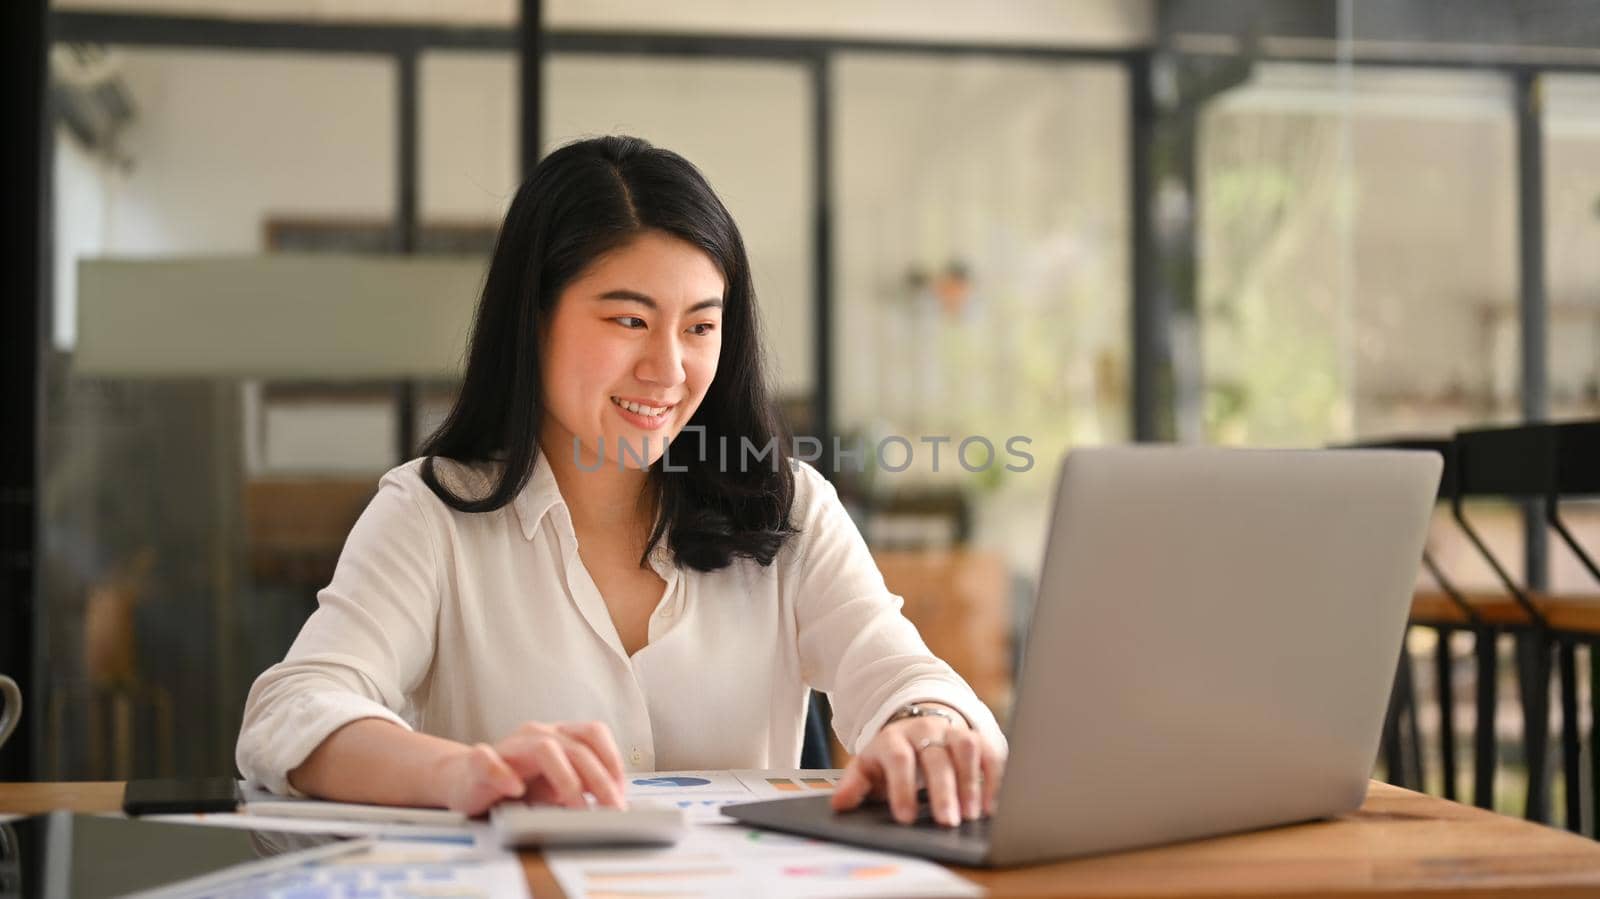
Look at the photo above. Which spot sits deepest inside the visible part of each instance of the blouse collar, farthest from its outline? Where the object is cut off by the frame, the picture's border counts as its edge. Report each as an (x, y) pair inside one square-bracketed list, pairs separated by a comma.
[(541, 494), (538, 497)]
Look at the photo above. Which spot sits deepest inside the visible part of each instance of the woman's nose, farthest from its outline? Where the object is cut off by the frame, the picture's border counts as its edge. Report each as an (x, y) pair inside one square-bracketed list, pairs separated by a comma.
[(662, 362)]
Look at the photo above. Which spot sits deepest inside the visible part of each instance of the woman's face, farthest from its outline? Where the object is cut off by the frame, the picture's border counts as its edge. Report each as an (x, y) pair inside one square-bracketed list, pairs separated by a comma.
[(631, 349)]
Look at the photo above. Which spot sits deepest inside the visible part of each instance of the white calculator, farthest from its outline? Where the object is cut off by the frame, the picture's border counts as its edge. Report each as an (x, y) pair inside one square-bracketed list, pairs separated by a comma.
[(517, 824)]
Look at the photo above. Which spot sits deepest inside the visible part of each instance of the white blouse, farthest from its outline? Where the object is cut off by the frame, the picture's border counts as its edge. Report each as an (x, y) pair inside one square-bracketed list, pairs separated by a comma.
[(465, 625)]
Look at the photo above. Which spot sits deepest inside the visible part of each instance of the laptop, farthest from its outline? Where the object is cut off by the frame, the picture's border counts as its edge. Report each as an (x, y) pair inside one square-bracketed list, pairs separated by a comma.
[(1213, 643)]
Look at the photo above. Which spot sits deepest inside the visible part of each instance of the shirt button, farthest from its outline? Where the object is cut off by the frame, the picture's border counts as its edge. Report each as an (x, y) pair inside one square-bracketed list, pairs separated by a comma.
[(638, 757)]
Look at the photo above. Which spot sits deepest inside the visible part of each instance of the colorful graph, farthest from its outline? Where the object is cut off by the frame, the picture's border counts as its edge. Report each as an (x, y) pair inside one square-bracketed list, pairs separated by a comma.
[(771, 838), (801, 784), (631, 894), (638, 874), (842, 871), (676, 781)]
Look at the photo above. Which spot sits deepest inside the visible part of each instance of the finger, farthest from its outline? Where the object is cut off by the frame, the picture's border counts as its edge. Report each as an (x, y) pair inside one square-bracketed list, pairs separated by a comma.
[(518, 751), (900, 775), (496, 771), (485, 780), (517, 748), (964, 753), (856, 783), (565, 787), (593, 774), (994, 764), (940, 776), (597, 737)]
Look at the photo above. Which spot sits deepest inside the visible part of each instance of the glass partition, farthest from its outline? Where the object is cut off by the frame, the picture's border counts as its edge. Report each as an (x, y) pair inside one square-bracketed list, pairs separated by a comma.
[(747, 125), (982, 317), (183, 535), (1358, 255)]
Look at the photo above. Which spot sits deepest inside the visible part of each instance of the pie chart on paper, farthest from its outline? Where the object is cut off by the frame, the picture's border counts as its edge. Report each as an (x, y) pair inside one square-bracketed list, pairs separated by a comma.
[(676, 781)]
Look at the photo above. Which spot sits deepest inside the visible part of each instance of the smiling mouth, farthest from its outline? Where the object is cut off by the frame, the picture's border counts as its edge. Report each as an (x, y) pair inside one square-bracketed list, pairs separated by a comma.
[(639, 409)]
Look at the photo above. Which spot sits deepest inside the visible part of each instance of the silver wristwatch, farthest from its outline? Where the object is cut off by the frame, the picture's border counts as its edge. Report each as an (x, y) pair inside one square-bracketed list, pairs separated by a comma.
[(912, 710)]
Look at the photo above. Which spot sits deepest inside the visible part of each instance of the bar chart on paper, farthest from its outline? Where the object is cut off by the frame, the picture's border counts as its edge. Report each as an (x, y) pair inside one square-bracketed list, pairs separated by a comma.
[(790, 786)]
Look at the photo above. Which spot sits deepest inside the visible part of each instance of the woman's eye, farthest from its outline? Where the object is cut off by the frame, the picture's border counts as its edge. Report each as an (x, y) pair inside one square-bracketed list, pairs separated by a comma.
[(629, 321), (702, 329)]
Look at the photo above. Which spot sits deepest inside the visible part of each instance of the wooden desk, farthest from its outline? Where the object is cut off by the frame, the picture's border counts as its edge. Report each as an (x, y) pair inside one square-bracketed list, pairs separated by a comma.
[(1400, 844)]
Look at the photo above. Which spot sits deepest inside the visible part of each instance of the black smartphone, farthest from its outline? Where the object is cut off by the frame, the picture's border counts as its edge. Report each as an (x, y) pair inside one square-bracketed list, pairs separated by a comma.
[(165, 797)]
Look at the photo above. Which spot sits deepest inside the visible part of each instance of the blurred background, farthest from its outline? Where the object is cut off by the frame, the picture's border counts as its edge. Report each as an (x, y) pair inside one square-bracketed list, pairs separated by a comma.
[(1243, 223)]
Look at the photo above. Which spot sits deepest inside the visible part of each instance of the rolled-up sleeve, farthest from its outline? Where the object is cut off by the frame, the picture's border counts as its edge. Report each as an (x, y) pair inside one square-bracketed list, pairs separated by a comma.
[(855, 645), (364, 650)]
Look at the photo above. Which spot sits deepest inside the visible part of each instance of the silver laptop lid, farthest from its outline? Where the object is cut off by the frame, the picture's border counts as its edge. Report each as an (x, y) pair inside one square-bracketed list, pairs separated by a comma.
[(1213, 643)]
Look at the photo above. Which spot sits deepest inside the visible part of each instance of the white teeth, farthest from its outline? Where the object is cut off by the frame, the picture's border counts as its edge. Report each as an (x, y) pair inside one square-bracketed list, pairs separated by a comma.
[(636, 409)]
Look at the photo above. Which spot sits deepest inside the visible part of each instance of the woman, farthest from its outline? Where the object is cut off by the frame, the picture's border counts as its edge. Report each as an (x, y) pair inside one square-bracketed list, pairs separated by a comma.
[(562, 589)]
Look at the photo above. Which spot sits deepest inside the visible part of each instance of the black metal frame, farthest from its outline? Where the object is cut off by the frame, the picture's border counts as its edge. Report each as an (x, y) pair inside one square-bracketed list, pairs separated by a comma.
[(23, 340), (249, 34), (1147, 327), (530, 83), (1532, 308), (408, 135), (822, 424)]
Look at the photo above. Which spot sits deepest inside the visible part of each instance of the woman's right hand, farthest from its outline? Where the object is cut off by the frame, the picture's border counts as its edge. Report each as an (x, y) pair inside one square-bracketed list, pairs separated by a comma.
[(555, 763)]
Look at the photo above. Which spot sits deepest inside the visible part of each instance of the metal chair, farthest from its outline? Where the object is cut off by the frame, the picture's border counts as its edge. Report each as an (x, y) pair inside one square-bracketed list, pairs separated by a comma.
[(816, 751), (1536, 463)]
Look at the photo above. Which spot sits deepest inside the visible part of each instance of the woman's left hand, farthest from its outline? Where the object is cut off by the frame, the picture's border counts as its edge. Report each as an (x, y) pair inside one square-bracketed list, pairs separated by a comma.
[(960, 768)]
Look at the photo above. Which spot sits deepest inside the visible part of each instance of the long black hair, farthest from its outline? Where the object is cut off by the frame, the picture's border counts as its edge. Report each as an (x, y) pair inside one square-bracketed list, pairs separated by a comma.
[(586, 199)]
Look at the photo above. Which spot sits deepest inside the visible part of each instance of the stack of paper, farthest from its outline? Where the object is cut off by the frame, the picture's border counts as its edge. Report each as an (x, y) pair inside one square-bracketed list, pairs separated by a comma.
[(718, 858)]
